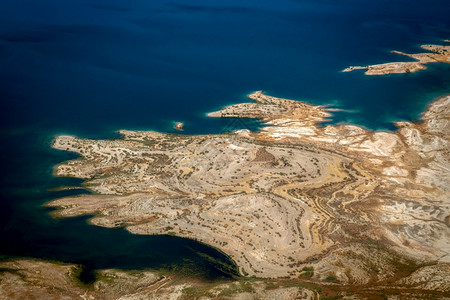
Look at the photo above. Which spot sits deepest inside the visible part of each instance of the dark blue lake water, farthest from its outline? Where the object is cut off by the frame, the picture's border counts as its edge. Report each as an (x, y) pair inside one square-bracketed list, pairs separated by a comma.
[(90, 68)]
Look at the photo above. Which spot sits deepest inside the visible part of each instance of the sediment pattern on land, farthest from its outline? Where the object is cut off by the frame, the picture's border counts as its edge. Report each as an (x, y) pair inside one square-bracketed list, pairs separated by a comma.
[(356, 206)]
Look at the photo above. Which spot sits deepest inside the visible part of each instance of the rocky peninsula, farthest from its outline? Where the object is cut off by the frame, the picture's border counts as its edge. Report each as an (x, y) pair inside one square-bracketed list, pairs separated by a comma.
[(363, 208), (436, 54)]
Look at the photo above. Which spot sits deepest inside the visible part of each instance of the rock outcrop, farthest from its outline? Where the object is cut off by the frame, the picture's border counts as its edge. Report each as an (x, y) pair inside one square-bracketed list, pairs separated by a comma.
[(436, 54)]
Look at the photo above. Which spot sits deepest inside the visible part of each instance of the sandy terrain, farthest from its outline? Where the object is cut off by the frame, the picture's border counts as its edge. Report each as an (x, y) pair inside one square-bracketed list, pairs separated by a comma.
[(356, 205), (35, 279)]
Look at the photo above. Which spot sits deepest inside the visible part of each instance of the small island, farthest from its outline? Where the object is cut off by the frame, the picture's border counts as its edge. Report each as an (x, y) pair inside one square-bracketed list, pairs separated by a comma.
[(178, 126), (436, 54)]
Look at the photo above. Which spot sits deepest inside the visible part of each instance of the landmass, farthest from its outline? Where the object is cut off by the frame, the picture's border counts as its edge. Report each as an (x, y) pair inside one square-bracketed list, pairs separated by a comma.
[(338, 204), (436, 54), (36, 279), (306, 211)]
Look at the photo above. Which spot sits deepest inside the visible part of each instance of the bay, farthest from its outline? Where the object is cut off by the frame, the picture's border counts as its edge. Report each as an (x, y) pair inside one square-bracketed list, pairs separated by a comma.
[(90, 68)]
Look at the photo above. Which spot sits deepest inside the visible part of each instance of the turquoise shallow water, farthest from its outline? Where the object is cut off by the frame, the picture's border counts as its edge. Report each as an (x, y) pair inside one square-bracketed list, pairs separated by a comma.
[(90, 68)]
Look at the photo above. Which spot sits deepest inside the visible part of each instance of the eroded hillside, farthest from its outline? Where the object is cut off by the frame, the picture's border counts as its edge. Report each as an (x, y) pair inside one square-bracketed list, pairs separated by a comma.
[(356, 206)]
